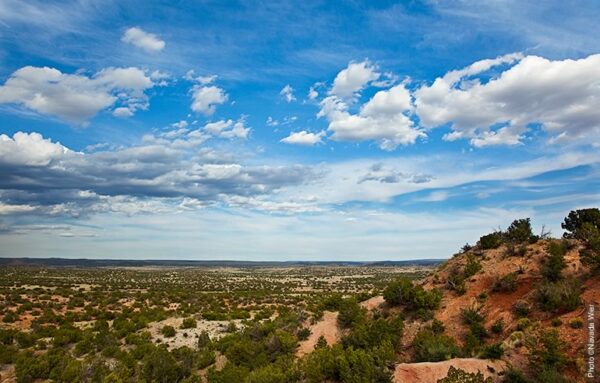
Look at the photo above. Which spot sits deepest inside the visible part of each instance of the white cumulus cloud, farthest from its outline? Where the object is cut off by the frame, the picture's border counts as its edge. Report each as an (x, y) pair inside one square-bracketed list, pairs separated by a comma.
[(142, 39), (206, 99), (384, 119), (228, 129), (77, 97), (29, 149), (304, 138), (563, 96), (354, 78)]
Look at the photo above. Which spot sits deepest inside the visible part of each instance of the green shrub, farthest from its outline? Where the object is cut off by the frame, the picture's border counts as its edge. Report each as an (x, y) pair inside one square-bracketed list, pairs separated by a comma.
[(552, 376), (430, 347), (437, 327), (519, 231), (458, 275), (555, 262), (350, 312), (580, 224), (456, 375), (512, 375), (267, 374), (521, 308), (189, 323), (590, 256), (424, 314), (492, 351), (304, 333), (561, 296), (168, 331), (548, 352), (231, 327), (498, 326), (403, 292), (230, 373), (523, 323), (576, 323), (375, 332), (556, 322), (472, 266), (471, 315), (10, 317), (456, 281), (491, 241), (506, 283), (51, 365), (347, 365), (8, 353), (204, 341), (584, 224), (205, 358)]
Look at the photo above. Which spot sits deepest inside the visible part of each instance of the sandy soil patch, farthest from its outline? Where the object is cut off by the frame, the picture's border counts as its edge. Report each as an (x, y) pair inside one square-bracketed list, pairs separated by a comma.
[(326, 327), (7, 374), (189, 337), (372, 303)]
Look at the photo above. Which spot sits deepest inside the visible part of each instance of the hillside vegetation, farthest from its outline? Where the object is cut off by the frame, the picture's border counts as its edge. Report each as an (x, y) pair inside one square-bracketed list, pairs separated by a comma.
[(513, 296), (510, 308)]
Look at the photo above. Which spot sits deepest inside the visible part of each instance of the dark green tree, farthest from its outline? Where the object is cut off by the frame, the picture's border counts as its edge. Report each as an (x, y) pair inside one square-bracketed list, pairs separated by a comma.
[(575, 222)]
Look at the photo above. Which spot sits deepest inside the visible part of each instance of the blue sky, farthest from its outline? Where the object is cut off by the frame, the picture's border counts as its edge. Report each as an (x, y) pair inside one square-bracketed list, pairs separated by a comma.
[(292, 131)]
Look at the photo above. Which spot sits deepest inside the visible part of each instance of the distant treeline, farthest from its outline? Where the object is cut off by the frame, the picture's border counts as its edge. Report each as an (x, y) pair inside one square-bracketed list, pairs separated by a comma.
[(66, 262)]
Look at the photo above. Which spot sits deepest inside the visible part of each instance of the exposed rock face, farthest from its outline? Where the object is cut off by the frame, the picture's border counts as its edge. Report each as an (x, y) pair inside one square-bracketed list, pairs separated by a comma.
[(430, 372)]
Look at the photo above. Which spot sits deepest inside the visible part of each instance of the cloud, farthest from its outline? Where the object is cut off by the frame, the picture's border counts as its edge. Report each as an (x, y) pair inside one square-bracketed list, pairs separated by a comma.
[(384, 174), (313, 91), (287, 93), (77, 97), (204, 80), (353, 79), (388, 102), (502, 136), (57, 181), (30, 149), (435, 196), (228, 129), (304, 138), (180, 124), (15, 209), (269, 205), (271, 121), (142, 39), (560, 95), (384, 119), (206, 99)]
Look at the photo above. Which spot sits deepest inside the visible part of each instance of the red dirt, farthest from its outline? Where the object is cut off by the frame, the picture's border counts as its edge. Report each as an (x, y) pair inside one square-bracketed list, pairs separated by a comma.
[(372, 303), (431, 372), (326, 327)]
